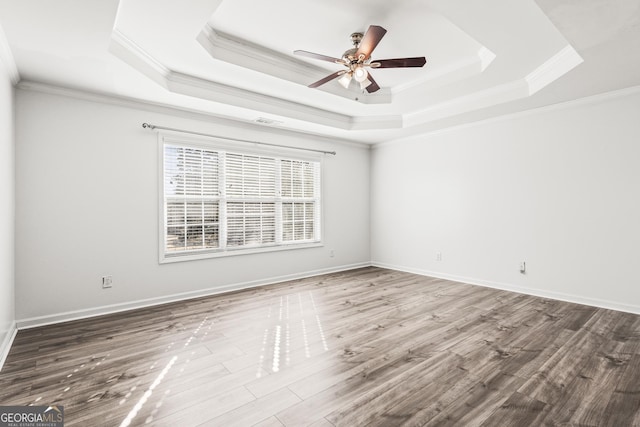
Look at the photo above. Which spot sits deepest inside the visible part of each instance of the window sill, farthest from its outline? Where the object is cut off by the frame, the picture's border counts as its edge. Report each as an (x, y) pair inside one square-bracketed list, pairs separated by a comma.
[(214, 253)]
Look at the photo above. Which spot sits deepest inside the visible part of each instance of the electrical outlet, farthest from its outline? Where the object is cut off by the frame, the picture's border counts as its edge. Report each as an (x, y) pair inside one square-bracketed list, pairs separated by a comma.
[(331, 253), (523, 267), (107, 282), (438, 256)]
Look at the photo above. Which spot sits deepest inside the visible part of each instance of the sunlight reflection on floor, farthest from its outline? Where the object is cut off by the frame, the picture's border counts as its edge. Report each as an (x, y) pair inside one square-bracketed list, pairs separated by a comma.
[(279, 337)]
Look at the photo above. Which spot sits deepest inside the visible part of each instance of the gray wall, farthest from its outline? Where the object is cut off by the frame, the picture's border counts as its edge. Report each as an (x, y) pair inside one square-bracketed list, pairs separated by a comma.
[(87, 206), (7, 208), (558, 188)]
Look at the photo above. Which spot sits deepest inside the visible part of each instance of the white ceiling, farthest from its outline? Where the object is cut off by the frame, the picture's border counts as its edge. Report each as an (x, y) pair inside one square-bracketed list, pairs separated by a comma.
[(234, 58)]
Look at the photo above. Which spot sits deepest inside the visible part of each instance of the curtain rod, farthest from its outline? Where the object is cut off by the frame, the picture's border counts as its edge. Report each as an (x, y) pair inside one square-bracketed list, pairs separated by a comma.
[(152, 127)]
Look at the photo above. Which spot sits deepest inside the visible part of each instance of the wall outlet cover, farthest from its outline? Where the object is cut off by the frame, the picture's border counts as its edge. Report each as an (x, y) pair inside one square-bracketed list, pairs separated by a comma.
[(107, 281)]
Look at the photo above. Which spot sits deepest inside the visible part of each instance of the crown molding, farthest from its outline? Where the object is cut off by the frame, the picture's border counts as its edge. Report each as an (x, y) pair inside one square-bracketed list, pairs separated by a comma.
[(184, 84), (377, 122), (128, 51), (6, 57), (486, 57), (587, 100), (553, 68), (173, 110), (458, 71), (194, 86), (243, 53), (485, 98), (252, 56)]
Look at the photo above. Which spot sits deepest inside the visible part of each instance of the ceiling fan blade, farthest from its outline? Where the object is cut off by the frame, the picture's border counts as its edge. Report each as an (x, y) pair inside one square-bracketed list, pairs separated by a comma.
[(373, 87), (370, 40), (317, 56), (399, 62), (328, 78)]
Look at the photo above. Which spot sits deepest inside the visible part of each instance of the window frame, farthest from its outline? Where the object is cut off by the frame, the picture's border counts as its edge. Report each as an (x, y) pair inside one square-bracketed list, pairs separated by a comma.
[(222, 145)]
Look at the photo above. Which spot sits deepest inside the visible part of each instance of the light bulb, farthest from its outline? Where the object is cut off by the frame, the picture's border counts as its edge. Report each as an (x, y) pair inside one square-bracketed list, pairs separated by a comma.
[(360, 74), (365, 84), (345, 80)]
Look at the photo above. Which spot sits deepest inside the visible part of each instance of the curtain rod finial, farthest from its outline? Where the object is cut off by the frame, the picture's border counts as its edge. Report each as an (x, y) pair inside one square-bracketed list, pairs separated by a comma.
[(147, 125)]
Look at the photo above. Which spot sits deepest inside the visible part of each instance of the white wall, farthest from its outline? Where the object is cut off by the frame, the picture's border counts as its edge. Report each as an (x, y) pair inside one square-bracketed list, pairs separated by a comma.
[(558, 188), (7, 209), (87, 206)]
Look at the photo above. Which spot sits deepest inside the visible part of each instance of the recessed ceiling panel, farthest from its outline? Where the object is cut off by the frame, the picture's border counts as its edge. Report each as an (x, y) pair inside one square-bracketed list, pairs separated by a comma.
[(483, 58), (325, 27)]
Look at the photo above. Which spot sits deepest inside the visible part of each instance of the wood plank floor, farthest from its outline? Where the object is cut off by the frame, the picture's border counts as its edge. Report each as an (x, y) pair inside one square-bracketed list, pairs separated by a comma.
[(359, 348)]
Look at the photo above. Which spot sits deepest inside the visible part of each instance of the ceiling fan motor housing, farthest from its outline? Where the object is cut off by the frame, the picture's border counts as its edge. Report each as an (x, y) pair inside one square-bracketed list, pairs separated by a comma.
[(349, 56)]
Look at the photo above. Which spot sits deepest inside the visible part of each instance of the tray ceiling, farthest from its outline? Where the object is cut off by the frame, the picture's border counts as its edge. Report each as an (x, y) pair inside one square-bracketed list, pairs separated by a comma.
[(234, 58)]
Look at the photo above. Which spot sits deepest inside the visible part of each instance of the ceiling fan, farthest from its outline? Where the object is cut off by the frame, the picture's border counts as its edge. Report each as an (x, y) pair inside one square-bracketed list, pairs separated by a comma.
[(358, 58)]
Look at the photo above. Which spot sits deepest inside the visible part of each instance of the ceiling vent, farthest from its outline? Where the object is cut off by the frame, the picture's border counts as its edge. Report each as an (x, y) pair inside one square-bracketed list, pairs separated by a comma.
[(268, 122)]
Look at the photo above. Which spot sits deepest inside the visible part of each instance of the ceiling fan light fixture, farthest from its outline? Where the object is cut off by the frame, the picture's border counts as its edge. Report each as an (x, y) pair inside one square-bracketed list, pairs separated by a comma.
[(365, 84), (345, 80), (360, 74)]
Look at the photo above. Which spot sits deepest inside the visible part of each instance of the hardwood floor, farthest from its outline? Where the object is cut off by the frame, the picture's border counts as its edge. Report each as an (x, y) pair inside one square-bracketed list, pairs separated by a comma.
[(363, 347)]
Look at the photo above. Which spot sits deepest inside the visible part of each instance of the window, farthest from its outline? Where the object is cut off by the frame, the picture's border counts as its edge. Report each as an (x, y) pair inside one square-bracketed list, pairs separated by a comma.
[(222, 201)]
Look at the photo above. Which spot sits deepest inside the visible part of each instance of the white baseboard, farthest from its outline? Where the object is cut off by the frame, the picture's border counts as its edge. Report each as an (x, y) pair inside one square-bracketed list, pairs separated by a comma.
[(594, 302), (116, 308), (5, 346)]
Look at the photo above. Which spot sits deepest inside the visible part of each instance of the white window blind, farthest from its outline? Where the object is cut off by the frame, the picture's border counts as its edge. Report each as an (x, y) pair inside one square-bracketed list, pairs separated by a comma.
[(192, 199), (251, 200), (217, 201), (300, 188)]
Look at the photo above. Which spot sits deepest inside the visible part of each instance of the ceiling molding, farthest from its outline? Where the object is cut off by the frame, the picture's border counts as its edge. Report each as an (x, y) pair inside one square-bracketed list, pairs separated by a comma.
[(377, 122), (243, 53), (194, 86), (190, 85), (458, 71), (128, 51), (486, 57), (485, 98), (588, 100), (6, 57), (445, 75), (173, 110), (555, 67), (415, 103), (552, 69), (151, 43)]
